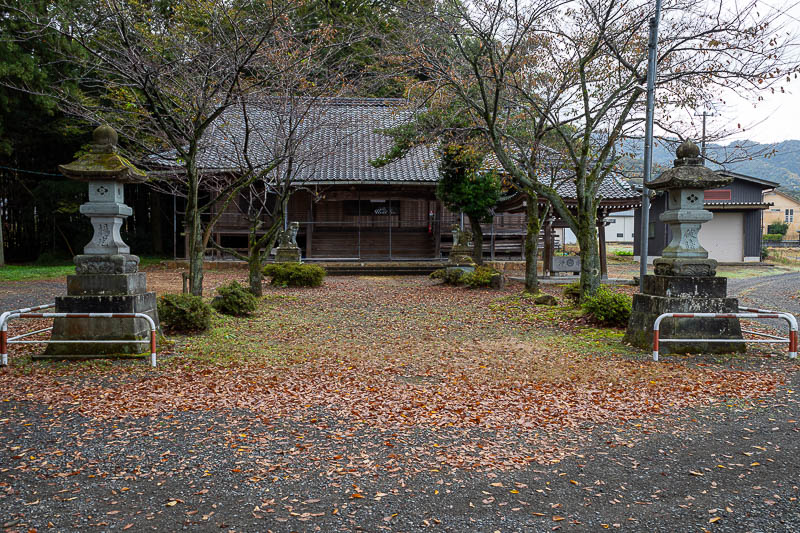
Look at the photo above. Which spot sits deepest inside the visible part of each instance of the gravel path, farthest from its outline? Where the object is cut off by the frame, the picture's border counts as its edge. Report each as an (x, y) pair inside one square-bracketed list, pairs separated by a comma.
[(769, 292), (729, 468), (19, 294)]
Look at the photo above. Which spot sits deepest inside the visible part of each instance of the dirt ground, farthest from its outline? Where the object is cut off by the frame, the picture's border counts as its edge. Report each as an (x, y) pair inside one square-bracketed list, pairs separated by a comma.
[(395, 404)]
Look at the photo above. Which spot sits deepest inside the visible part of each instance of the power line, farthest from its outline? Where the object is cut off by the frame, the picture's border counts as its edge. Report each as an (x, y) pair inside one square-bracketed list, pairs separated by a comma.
[(30, 171)]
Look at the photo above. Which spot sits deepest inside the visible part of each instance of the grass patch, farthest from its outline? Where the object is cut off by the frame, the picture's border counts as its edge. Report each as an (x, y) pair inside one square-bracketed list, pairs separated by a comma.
[(34, 272), (60, 269)]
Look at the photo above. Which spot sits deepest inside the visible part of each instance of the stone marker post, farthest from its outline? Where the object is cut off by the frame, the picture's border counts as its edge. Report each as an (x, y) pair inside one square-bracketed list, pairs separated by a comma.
[(107, 278), (685, 278)]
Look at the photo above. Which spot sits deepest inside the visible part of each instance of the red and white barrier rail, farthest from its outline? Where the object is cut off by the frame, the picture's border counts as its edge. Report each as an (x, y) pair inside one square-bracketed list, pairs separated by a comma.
[(4, 330), (25, 313), (788, 317)]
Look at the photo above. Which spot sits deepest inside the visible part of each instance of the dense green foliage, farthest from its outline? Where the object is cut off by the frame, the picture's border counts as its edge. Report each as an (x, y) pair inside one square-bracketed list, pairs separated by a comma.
[(295, 274), (463, 185), (481, 277), (184, 313), (449, 276), (609, 308), (773, 237), (233, 299), (624, 253), (778, 227)]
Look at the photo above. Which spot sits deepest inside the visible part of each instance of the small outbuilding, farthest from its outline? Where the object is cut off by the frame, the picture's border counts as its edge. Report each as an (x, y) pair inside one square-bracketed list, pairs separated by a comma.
[(732, 236)]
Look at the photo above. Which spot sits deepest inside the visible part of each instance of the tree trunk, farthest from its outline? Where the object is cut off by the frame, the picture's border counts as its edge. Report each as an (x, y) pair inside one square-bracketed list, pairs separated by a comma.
[(256, 275), (196, 245), (532, 244), (477, 239), (590, 257)]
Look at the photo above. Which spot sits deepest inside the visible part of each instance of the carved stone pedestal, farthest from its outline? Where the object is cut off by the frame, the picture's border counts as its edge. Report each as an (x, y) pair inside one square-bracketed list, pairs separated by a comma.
[(461, 252), (685, 294), (102, 293)]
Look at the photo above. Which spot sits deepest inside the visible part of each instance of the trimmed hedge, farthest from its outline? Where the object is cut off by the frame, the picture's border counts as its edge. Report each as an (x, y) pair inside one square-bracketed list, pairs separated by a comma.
[(609, 308), (773, 237), (482, 276), (184, 312), (449, 276), (295, 274), (234, 300)]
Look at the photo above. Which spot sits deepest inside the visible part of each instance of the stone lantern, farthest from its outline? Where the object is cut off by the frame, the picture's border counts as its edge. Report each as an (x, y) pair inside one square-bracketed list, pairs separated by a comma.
[(107, 278), (685, 278)]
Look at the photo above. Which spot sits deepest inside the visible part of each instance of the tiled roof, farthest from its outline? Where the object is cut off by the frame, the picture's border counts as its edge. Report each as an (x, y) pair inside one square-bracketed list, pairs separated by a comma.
[(342, 138)]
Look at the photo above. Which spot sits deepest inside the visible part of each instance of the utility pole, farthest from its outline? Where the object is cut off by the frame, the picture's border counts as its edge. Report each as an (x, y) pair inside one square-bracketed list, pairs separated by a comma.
[(648, 143), (704, 114)]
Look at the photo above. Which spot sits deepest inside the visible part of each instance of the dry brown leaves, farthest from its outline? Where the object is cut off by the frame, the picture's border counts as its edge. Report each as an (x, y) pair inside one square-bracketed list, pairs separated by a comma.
[(399, 356)]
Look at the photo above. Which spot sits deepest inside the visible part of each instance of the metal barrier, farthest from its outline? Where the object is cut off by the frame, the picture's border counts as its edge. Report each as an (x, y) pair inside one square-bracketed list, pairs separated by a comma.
[(792, 339), (25, 313)]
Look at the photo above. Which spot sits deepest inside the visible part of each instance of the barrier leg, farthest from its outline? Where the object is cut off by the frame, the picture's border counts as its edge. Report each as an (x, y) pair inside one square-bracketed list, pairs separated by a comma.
[(655, 345), (3, 347), (793, 344), (153, 348)]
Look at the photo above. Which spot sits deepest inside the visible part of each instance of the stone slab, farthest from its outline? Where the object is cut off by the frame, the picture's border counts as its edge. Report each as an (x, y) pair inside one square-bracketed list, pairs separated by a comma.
[(106, 284), (101, 328), (565, 263), (686, 286), (646, 308), (133, 303)]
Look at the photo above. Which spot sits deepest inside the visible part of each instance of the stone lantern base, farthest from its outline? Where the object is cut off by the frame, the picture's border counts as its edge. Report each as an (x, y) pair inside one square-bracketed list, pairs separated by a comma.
[(117, 292), (685, 294), (287, 254)]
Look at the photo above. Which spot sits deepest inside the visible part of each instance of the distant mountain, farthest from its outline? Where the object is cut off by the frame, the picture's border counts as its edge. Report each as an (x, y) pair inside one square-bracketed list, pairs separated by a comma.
[(775, 162)]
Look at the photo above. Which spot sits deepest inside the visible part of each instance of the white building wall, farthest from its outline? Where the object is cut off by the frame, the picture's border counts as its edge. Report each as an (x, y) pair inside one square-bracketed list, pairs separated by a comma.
[(621, 227)]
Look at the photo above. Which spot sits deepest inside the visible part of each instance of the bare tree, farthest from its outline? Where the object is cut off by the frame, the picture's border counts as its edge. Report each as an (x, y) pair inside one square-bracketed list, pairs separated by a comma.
[(570, 74), (163, 74), (296, 132)]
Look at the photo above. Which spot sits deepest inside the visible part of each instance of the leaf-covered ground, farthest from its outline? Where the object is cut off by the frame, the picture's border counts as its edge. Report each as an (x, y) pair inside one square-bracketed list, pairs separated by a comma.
[(328, 403)]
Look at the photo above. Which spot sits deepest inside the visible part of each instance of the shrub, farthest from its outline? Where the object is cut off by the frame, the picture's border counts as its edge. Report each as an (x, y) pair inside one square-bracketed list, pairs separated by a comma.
[(624, 253), (449, 276), (610, 308), (482, 276), (234, 300), (778, 228), (295, 274), (184, 312), (572, 292), (773, 237)]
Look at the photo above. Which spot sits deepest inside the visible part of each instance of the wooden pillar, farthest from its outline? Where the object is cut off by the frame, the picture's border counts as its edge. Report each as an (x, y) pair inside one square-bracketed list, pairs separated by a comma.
[(548, 246), (437, 230), (310, 229), (601, 236)]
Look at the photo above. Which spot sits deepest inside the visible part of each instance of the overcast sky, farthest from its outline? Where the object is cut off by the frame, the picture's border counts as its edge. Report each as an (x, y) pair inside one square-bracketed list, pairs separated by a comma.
[(777, 117)]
